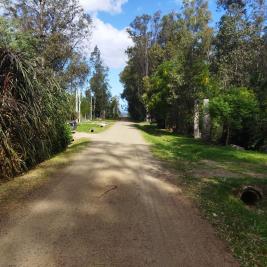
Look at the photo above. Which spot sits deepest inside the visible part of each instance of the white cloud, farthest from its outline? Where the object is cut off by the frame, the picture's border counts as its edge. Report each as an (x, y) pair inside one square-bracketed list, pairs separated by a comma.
[(112, 43), (110, 6)]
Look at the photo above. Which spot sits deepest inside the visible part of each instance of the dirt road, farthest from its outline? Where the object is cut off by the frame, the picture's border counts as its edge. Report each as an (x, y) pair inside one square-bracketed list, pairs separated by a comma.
[(112, 207)]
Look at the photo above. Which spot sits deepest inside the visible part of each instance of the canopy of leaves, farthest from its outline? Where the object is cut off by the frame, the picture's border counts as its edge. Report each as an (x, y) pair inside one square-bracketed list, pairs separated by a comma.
[(57, 30), (235, 109), (179, 60)]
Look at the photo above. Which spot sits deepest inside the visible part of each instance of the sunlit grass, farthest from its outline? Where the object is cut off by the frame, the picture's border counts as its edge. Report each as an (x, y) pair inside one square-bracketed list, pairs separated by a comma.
[(244, 228), (87, 127), (170, 146)]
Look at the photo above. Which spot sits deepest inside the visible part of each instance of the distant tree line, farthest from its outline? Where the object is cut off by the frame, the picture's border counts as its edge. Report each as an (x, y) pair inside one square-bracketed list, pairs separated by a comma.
[(178, 60), (103, 104), (97, 102)]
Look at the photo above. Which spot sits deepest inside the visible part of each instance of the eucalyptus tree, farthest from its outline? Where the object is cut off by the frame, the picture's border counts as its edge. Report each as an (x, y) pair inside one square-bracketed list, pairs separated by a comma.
[(144, 31), (183, 59), (99, 84), (239, 61), (185, 39), (114, 108), (237, 44)]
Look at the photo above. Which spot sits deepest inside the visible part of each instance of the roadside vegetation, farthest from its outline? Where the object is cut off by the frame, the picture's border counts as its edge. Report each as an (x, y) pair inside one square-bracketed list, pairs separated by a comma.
[(213, 177), (39, 66), (42, 72), (199, 78), (15, 191)]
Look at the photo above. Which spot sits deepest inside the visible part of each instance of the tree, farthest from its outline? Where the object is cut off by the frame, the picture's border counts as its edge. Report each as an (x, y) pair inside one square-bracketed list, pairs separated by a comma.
[(99, 84), (114, 108), (181, 61), (237, 111), (39, 60), (144, 31), (239, 55), (185, 41), (59, 28), (133, 90), (85, 107)]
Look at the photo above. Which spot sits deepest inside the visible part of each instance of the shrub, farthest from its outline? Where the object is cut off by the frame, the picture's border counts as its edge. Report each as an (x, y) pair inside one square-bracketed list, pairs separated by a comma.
[(33, 112), (236, 111)]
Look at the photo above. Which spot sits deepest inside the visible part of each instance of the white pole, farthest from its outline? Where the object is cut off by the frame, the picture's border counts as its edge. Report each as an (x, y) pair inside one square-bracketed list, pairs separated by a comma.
[(197, 133), (76, 101), (79, 104), (91, 107)]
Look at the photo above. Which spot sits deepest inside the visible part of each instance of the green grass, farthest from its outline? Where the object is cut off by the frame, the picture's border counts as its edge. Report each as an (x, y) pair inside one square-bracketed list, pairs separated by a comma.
[(15, 191), (86, 127), (212, 176)]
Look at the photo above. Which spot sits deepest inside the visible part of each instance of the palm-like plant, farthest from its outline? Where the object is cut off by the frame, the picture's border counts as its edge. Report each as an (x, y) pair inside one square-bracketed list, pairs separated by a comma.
[(33, 111)]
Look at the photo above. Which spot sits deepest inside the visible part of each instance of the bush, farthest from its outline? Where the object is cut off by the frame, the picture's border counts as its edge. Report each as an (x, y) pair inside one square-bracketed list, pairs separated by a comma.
[(33, 113), (235, 114)]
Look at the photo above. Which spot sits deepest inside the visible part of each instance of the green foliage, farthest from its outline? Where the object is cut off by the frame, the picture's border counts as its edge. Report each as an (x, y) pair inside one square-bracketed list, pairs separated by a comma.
[(178, 60), (85, 107), (53, 30), (234, 109), (161, 78), (143, 58), (99, 84), (33, 113), (160, 89), (114, 108), (133, 89)]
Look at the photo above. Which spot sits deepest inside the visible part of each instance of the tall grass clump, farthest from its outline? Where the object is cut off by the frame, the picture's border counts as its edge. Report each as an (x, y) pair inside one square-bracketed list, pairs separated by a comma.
[(33, 113)]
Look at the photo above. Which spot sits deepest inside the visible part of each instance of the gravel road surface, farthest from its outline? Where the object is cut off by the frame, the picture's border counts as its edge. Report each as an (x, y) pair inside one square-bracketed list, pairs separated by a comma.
[(114, 205)]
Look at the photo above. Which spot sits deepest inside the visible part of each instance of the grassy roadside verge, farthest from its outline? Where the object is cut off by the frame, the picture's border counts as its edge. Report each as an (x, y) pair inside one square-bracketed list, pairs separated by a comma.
[(13, 192), (211, 176), (86, 127)]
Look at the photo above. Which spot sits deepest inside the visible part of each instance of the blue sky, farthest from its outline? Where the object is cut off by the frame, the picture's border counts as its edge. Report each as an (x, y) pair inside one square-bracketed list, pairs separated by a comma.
[(112, 17), (133, 8)]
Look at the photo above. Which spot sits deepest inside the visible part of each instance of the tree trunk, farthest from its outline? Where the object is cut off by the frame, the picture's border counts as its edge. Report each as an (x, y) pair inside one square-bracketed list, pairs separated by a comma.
[(41, 27), (197, 133), (146, 58)]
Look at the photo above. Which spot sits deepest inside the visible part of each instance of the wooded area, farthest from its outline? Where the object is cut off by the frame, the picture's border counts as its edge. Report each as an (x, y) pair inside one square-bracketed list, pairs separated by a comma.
[(42, 64), (179, 61)]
